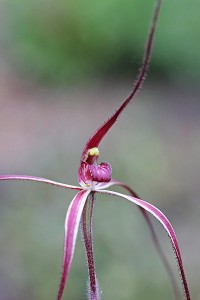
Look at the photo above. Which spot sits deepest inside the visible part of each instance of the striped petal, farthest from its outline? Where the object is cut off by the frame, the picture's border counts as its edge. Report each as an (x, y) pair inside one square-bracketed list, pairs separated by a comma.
[(167, 226), (72, 222), (86, 227), (153, 235)]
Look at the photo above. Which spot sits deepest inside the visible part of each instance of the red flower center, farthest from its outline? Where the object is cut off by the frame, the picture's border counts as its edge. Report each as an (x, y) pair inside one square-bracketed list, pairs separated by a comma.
[(90, 172)]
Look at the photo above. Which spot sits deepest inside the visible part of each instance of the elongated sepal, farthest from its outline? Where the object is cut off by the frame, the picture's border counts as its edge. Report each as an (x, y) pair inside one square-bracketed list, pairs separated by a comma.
[(167, 226), (96, 138), (72, 222), (39, 179), (154, 236)]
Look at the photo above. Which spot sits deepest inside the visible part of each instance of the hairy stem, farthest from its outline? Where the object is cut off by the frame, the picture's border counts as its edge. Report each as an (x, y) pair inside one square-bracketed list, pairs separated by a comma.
[(87, 236)]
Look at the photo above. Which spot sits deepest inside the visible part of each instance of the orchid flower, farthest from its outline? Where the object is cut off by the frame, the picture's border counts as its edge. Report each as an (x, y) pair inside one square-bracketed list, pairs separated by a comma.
[(95, 178)]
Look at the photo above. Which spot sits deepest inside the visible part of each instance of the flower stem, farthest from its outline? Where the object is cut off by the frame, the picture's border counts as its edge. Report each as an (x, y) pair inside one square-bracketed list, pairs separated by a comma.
[(87, 237)]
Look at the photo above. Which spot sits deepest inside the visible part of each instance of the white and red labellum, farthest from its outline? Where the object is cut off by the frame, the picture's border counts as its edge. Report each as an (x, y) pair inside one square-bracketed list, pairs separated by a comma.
[(90, 172)]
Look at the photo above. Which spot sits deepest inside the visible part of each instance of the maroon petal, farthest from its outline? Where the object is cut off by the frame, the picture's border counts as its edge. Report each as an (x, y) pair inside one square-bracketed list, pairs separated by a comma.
[(39, 179), (72, 222), (167, 226), (153, 234), (103, 129)]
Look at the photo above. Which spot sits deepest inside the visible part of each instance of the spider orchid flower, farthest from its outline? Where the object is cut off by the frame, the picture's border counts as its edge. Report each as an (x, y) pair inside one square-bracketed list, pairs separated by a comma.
[(94, 178)]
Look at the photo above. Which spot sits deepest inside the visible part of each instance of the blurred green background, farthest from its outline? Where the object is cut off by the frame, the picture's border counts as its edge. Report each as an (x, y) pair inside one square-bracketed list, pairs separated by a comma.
[(65, 66), (66, 40)]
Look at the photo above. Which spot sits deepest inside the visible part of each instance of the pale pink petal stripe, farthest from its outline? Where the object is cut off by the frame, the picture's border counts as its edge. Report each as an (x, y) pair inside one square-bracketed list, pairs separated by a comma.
[(39, 179), (105, 185), (153, 234), (72, 222), (167, 226)]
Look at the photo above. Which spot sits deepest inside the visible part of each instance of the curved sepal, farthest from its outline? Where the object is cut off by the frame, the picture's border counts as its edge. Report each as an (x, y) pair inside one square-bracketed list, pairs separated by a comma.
[(167, 226), (96, 138), (154, 236), (39, 179)]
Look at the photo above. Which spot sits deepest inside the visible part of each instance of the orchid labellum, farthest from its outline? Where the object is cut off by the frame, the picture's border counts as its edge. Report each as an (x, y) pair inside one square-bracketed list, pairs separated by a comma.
[(95, 178)]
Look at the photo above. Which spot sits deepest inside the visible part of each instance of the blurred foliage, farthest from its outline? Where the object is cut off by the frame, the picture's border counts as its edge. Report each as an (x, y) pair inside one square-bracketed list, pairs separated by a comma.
[(64, 40)]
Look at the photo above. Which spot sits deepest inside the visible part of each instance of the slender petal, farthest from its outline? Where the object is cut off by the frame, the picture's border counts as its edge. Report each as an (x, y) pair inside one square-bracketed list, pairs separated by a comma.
[(167, 226), (96, 138), (154, 237), (87, 236), (39, 179), (105, 185), (72, 222)]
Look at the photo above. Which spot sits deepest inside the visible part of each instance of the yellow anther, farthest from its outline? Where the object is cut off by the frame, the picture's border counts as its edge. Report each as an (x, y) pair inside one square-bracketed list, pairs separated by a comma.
[(93, 151)]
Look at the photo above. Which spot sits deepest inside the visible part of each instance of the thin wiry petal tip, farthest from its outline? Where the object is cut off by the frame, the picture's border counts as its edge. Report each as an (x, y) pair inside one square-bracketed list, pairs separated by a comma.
[(96, 138), (167, 226)]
